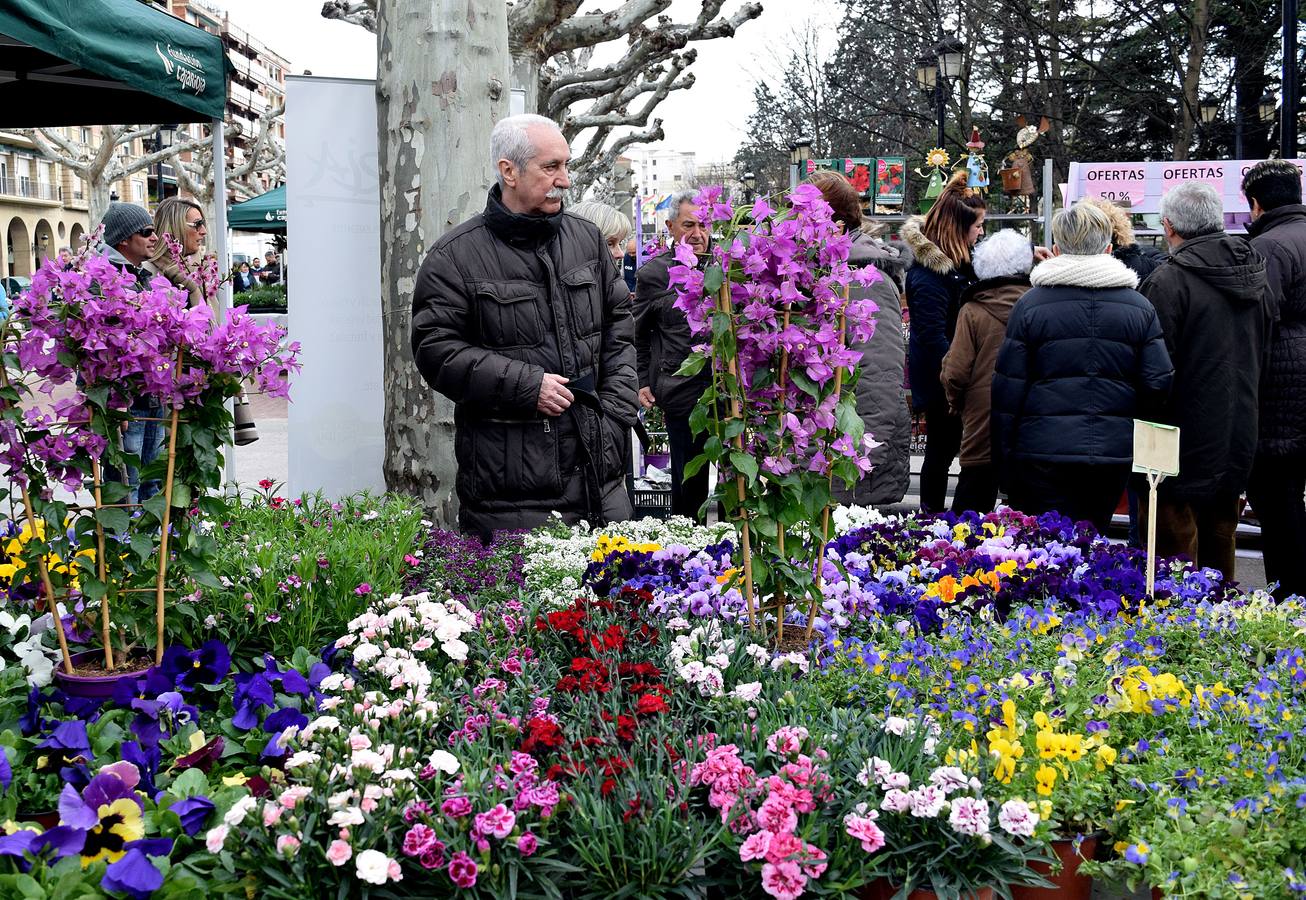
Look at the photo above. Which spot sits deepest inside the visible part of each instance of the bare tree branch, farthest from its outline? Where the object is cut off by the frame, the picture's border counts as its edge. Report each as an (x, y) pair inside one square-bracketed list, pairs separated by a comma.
[(362, 14), (600, 163), (597, 28)]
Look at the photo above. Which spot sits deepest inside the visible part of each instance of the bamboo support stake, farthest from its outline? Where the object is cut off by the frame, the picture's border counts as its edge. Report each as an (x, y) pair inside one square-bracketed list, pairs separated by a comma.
[(100, 569), (49, 588), (736, 411), (825, 514), (780, 529), (163, 528)]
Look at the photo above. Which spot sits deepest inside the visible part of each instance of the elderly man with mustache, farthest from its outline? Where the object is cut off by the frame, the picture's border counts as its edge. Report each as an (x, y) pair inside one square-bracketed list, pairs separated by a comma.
[(522, 319)]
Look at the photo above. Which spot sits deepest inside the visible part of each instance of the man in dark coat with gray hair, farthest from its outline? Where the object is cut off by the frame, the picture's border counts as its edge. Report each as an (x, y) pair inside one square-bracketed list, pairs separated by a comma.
[(1211, 299), (521, 318)]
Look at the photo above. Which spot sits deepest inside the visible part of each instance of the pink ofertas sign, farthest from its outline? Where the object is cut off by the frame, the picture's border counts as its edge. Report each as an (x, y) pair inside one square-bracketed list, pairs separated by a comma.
[(1143, 183), (1117, 182)]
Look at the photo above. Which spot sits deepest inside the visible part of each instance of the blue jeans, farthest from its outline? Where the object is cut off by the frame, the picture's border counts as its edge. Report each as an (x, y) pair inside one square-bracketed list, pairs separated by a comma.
[(144, 439)]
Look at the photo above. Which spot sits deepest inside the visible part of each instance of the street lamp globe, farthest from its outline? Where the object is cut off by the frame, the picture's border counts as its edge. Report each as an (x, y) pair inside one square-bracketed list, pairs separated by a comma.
[(949, 52), (927, 72), (1209, 109), (800, 151), (750, 180), (1267, 106)]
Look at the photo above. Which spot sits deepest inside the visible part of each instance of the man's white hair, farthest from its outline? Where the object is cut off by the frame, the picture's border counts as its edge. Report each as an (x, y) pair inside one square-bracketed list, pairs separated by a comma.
[(509, 140), (1193, 208), (1005, 252)]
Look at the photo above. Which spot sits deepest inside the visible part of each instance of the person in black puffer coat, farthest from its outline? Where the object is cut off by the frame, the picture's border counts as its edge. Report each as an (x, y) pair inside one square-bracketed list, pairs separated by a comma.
[(940, 244), (521, 318), (1278, 479), (1211, 299), (1084, 355)]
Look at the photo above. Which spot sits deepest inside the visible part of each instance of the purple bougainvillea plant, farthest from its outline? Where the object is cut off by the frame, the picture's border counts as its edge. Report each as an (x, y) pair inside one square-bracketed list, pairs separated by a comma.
[(771, 305), (80, 347)]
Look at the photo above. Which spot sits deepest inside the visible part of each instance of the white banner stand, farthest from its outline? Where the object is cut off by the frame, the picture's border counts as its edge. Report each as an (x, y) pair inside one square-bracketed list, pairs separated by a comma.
[(336, 437), (1156, 455)]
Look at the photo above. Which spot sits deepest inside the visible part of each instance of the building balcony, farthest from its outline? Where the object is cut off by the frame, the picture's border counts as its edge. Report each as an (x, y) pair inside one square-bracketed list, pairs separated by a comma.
[(40, 191)]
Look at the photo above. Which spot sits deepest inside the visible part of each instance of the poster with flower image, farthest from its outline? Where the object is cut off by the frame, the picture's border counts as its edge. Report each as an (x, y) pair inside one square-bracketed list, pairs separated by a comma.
[(858, 169), (890, 179)]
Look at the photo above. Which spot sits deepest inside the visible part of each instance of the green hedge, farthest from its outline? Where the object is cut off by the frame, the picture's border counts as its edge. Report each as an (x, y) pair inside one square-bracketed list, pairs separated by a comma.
[(264, 298)]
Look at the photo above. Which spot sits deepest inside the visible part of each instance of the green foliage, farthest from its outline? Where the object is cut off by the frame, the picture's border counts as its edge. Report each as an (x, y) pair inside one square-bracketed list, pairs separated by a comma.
[(263, 298), (299, 566)]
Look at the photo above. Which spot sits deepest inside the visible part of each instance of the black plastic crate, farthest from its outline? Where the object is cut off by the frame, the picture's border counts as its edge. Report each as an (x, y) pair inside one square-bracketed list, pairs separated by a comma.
[(648, 502)]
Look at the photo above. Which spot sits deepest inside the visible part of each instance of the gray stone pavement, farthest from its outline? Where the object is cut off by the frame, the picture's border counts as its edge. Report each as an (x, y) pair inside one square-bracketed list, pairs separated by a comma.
[(267, 457)]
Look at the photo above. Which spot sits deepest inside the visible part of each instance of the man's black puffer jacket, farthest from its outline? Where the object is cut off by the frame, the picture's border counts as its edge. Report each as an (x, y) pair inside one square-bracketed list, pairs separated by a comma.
[(501, 300)]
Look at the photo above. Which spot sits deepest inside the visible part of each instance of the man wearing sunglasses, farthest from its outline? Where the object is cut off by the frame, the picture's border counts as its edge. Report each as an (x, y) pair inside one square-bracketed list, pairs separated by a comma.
[(129, 239)]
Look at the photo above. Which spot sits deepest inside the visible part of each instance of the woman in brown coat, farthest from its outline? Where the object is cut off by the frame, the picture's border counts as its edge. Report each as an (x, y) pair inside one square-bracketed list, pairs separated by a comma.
[(1002, 263)]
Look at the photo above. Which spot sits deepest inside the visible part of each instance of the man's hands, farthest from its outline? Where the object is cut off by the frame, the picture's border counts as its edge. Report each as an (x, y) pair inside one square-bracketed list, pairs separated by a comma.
[(646, 398), (554, 398), (1041, 254)]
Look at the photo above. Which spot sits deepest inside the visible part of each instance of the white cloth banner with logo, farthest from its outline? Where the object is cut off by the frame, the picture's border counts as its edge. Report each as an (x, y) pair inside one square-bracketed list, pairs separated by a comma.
[(1141, 184), (336, 439)]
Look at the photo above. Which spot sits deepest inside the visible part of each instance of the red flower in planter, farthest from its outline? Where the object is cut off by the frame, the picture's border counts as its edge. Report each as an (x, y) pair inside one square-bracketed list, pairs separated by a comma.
[(613, 638), (639, 671), (650, 704), (541, 736), (564, 621)]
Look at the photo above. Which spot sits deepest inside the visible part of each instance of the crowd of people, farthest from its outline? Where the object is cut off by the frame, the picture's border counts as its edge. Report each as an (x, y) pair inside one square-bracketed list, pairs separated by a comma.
[(1030, 364), (249, 275)]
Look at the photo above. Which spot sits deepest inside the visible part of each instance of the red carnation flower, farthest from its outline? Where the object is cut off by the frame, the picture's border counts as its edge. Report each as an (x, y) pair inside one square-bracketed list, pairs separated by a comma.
[(650, 704)]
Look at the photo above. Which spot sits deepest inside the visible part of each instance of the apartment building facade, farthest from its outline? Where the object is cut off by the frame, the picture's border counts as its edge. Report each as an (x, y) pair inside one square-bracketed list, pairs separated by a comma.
[(43, 204)]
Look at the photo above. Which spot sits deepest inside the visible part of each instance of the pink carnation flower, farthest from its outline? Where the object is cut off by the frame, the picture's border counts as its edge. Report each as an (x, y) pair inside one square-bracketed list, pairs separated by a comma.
[(462, 870), (784, 881)]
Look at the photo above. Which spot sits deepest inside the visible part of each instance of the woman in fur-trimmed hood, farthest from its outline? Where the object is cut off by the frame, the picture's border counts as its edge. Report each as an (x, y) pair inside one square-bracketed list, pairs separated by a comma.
[(1083, 357), (940, 244)]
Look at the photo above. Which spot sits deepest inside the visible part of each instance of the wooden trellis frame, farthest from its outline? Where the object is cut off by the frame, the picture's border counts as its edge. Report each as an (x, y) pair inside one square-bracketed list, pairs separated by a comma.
[(736, 412), (159, 589)]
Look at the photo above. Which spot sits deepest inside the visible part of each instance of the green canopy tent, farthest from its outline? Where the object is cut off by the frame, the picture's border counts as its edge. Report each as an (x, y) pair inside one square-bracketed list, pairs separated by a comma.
[(113, 62), (90, 62), (107, 62), (266, 212)]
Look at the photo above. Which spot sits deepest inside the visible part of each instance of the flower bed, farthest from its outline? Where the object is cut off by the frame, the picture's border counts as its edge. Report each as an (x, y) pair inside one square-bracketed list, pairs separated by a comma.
[(577, 713)]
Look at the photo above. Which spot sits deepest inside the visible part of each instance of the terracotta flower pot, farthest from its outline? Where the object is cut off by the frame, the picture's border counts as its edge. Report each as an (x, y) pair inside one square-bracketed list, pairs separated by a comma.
[(1068, 884), (96, 687), (922, 894), (46, 820), (883, 889), (878, 889)]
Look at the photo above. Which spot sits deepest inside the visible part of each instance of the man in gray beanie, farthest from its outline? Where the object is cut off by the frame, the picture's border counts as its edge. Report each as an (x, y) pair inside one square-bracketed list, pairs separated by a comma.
[(129, 238)]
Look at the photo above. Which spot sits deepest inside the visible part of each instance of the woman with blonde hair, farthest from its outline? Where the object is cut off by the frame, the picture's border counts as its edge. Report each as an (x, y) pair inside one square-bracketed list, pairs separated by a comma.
[(1143, 261), (941, 243), (881, 401), (612, 223), (183, 220)]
